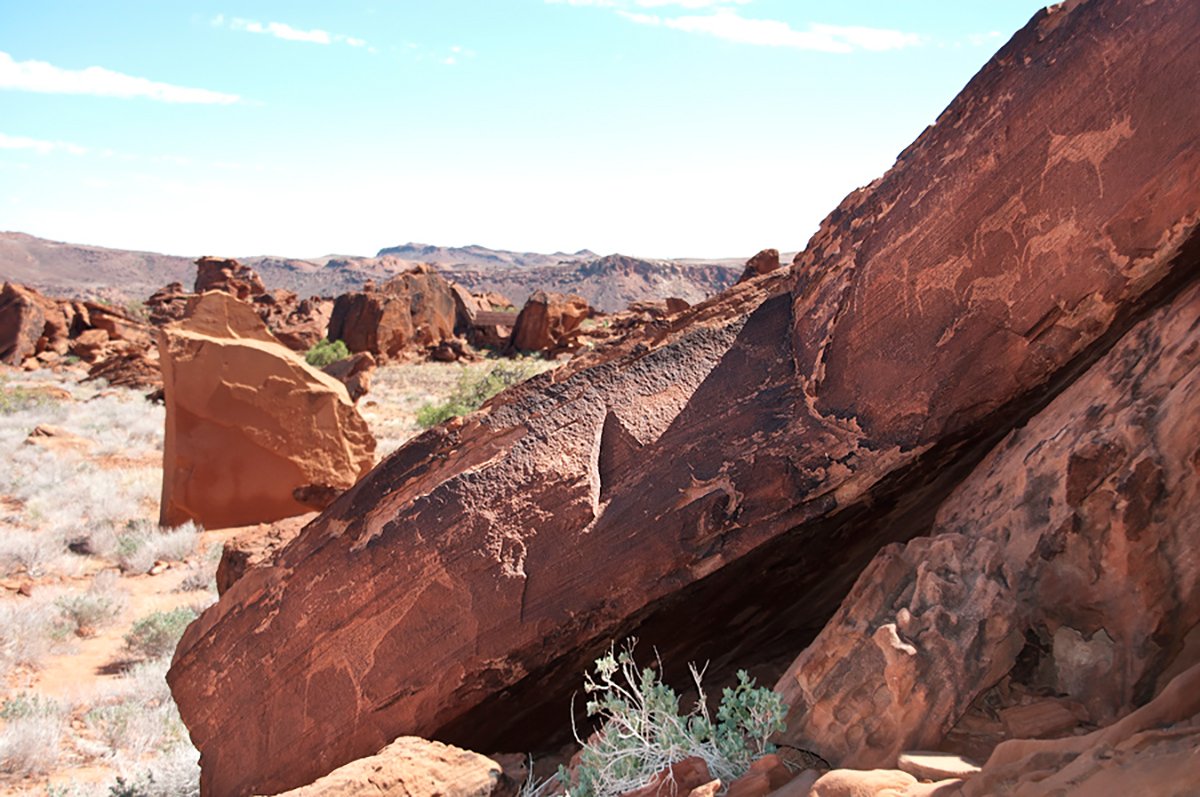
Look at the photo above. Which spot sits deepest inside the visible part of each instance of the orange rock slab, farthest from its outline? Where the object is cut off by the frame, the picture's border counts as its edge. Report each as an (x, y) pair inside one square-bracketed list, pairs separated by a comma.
[(249, 422)]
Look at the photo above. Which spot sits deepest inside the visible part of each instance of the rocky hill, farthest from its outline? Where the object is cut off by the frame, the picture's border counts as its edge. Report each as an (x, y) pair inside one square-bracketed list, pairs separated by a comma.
[(481, 256), (88, 272), (607, 283)]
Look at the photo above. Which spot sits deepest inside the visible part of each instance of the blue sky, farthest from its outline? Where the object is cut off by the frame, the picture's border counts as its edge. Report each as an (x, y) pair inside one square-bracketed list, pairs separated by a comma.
[(661, 128)]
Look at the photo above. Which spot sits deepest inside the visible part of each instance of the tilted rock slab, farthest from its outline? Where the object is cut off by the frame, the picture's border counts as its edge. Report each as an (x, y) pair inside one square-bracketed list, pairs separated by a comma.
[(1080, 529), (249, 422), (718, 484)]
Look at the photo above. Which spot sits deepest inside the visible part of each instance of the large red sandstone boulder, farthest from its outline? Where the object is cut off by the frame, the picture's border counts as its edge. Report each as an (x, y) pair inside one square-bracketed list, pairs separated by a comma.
[(547, 320), (249, 422), (716, 485), (228, 275), (29, 323), (412, 311), (1069, 547), (299, 324)]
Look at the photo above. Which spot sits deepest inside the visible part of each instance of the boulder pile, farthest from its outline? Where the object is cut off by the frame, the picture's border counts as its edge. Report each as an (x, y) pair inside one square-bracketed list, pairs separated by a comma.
[(968, 405)]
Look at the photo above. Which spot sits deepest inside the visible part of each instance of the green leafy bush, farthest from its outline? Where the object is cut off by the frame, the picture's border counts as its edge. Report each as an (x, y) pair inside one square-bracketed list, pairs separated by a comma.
[(326, 352), (475, 388), (643, 731), (157, 634)]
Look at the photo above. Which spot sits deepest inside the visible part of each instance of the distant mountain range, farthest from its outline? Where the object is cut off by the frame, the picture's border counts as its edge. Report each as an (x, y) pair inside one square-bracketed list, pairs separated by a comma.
[(608, 283)]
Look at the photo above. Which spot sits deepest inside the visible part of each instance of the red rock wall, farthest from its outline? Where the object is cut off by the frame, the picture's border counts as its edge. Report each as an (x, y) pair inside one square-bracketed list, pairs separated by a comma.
[(718, 484)]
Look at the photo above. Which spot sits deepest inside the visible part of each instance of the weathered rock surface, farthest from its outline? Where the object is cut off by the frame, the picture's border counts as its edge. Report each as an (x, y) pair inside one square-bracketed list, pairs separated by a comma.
[(547, 321), (411, 767), (764, 262), (409, 312), (1151, 751), (299, 324), (26, 319), (228, 275), (249, 422), (354, 372), (1069, 545), (681, 483), (255, 547)]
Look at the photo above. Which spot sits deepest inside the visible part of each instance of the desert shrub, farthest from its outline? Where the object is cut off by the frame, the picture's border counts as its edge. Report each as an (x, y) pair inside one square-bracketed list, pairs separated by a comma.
[(19, 398), (473, 389), (202, 575), (326, 352), (157, 634), (142, 543), (643, 732), (33, 728), (32, 551), (28, 631), (84, 615)]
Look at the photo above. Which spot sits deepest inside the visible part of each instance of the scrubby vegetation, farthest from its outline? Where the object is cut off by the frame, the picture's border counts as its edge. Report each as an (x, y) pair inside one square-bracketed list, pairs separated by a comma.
[(642, 731), (326, 352), (474, 388), (157, 634)]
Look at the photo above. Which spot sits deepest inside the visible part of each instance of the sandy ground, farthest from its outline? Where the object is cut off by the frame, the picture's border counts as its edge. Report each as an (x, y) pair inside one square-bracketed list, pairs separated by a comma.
[(80, 673)]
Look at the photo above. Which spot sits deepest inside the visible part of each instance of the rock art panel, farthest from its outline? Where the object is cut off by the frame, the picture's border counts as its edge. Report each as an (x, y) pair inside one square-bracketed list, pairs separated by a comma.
[(681, 482), (249, 422), (1071, 543)]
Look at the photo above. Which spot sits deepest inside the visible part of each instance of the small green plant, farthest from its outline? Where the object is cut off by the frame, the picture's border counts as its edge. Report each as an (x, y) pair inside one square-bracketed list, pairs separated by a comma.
[(473, 389), (643, 732), (131, 788), (157, 634), (24, 705), (325, 352)]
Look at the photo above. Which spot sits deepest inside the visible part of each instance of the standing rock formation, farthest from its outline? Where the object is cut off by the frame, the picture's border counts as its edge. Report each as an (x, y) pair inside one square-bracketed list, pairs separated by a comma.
[(547, 321), (228, 275), (249, 422), (412, 311), (716, 485)]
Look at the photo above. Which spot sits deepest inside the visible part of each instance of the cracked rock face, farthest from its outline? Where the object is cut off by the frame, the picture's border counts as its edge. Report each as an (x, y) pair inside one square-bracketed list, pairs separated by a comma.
[(716, 485), (1078, 531), (249, 422)]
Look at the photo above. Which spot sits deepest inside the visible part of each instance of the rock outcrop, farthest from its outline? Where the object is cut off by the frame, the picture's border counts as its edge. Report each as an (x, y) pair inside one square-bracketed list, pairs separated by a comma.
[(716, 485), (248, 421), (29, 323), (228, 275), (1067, 548), (413, 311), (764, 262), (411, 767), (548, 321)]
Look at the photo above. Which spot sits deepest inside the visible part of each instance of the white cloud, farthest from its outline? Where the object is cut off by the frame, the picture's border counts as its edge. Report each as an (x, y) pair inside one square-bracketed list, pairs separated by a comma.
[(49, 79), (689, 3), (281, 30), (983, 38), (43, 147), (727, 24)]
